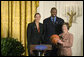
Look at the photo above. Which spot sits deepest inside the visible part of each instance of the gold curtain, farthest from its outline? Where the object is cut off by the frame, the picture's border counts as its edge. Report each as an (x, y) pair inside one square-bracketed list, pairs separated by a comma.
[(15, 16)]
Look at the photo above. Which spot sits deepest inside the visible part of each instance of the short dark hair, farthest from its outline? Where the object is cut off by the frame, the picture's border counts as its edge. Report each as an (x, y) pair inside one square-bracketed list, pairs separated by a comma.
[(37, 14), (53, 9), (67, 24)]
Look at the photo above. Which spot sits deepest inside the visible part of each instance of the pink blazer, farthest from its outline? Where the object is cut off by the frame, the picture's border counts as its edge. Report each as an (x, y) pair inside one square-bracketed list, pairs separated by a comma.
[(65, 49)]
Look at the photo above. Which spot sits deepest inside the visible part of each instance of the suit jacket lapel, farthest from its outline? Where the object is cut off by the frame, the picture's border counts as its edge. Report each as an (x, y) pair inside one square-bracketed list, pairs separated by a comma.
[(56, 22), (40, 27), (34, 26), (50, 20)]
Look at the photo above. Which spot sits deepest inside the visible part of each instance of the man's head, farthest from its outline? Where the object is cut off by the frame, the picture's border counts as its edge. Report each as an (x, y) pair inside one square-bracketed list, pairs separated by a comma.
[(53, 12)]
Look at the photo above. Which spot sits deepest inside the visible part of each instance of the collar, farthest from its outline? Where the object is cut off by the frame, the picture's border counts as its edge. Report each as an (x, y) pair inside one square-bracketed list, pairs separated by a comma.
[(52, 18)]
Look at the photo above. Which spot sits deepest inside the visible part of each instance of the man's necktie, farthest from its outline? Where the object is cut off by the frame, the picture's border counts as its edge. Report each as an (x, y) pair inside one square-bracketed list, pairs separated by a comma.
[(53, 20)]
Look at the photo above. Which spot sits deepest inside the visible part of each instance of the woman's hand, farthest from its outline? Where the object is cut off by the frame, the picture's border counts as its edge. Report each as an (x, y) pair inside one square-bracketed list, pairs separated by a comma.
[(59, 41)]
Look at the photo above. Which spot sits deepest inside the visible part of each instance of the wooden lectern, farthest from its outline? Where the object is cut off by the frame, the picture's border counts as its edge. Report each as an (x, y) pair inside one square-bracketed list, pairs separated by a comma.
[(41, 47)]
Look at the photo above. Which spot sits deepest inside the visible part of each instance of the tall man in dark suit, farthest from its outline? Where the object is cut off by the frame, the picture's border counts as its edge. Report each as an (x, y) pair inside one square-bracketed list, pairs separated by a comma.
[(52, 25)]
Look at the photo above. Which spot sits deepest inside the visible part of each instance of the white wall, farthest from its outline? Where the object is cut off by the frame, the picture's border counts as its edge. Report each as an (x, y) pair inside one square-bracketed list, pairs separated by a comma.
[(76, 29), (44, 9)]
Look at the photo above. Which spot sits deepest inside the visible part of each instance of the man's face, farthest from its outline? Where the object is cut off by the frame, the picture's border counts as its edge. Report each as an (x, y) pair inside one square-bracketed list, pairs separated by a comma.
[(53, 13)]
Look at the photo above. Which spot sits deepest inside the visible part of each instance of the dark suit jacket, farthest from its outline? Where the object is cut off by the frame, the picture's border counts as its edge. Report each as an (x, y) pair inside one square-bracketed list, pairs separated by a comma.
[(50, 28), (33, 36)]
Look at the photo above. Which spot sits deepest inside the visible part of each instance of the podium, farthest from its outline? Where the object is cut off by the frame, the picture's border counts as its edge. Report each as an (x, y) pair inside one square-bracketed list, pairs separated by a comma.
[(41, 47)]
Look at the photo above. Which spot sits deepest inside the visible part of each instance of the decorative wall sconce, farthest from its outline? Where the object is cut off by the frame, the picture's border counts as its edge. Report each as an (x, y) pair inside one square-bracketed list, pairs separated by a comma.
[(71, 17), (71, 12)]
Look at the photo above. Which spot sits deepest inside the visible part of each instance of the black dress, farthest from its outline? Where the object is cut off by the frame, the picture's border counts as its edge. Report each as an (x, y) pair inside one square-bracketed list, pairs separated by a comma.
[(33, 36)]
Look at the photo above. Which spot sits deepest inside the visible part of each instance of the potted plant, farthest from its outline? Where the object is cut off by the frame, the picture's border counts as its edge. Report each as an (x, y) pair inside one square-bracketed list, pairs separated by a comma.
[(11, 47)]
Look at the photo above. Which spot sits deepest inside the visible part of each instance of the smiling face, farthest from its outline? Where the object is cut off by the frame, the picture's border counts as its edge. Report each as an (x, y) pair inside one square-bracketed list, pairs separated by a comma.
[(64, 28), (37, 17), (53, 12)]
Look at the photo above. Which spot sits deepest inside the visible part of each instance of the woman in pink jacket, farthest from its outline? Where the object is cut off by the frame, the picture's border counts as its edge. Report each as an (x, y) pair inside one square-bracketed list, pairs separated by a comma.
[(66, 41)]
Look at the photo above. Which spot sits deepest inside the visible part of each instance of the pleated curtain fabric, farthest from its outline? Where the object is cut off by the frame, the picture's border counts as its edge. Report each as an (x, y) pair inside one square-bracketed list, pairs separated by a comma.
[(15, 16)]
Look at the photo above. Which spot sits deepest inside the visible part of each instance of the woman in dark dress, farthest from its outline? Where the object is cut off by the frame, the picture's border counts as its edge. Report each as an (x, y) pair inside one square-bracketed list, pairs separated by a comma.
[(34, 33)]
